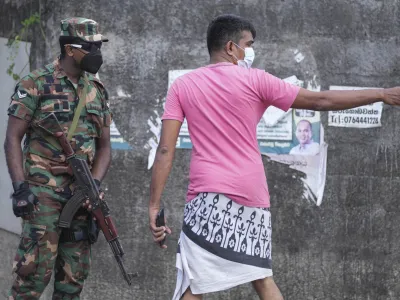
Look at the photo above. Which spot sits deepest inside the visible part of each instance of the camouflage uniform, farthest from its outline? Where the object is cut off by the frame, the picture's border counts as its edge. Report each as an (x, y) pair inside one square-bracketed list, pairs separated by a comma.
[(48, 90)]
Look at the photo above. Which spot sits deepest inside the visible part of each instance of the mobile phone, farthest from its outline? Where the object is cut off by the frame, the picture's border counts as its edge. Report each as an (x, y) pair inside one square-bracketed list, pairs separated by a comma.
[(160, 221)]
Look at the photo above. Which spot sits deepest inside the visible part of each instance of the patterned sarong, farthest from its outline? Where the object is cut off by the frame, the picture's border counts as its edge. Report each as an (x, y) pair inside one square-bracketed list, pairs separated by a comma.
[(222, 245)]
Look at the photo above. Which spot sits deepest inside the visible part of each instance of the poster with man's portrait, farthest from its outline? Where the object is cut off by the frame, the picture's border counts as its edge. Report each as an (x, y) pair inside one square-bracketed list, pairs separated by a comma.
[(297, 133)]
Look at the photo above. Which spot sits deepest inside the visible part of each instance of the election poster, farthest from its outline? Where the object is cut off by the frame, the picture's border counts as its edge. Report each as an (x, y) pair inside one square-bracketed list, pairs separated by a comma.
[(312, 165), (366, 116), (297, 132)]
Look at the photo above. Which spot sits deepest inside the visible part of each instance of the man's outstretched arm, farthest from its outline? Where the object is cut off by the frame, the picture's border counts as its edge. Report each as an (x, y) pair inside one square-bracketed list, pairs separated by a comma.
[(338, 100)]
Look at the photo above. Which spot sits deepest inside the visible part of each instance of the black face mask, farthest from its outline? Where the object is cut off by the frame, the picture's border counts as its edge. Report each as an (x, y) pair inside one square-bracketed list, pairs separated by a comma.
[(92, 62)]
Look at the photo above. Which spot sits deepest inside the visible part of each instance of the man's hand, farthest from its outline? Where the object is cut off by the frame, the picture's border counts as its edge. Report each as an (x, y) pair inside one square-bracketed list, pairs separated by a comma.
[(159, 233), (87, 204), (392, 96), (25, 203)]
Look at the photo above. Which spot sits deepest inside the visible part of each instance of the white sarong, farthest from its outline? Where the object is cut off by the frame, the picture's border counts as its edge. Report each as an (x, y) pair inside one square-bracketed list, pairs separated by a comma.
[(222, 244)]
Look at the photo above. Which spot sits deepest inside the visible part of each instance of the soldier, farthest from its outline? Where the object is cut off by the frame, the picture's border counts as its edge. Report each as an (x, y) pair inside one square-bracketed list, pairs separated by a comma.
[(39, 192)]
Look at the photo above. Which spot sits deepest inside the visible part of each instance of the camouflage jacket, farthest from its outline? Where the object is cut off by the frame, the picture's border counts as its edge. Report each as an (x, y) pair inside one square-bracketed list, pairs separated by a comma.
[(48, 90)]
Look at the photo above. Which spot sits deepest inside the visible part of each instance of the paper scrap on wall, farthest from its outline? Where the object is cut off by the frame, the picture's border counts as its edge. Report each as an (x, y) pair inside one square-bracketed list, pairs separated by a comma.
[(154, 123)]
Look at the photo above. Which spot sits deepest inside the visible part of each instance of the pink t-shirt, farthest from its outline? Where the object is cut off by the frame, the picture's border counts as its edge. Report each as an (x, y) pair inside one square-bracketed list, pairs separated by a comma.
[(223, 104)]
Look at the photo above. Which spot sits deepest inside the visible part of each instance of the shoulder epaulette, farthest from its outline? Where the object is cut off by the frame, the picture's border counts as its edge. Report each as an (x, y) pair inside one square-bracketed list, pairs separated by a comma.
[(95, 80), (99, 84)]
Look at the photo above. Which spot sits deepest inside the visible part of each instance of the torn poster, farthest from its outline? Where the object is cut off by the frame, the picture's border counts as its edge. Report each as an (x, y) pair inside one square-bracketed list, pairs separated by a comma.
[(367, 116), (297, 132), (313, 166), (306, 151), (152, 144)]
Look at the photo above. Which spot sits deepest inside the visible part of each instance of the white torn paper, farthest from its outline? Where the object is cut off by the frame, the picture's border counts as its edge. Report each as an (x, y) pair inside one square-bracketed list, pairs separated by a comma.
[(298, 56), (121, 93), (155, 129), (155, 124), (174, 74)]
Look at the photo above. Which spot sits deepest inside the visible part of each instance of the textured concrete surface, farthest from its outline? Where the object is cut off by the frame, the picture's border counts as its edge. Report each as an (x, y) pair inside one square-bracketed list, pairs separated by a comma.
[(345, 249), (7, 221)]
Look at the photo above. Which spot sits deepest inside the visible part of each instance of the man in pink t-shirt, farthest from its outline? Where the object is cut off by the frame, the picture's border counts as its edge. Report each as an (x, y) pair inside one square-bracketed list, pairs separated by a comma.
[(226, 233)]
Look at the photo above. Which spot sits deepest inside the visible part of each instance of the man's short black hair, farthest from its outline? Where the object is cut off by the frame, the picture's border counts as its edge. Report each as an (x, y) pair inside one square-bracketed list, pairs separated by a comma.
[(225, 28)]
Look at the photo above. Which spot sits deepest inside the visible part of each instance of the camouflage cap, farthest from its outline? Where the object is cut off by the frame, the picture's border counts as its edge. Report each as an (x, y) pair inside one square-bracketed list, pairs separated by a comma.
[(86, 29)]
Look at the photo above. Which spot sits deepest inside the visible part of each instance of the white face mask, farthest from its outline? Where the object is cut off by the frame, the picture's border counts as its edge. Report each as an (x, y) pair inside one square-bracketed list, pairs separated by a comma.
[(249, 56)]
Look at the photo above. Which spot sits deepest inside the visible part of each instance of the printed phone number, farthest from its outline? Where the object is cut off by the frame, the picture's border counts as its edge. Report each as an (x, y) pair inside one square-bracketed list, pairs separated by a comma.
[(354, 120)]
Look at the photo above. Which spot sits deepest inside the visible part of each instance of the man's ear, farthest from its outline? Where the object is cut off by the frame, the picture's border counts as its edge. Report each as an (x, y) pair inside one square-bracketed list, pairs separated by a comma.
[(229, 48), (68, 50)]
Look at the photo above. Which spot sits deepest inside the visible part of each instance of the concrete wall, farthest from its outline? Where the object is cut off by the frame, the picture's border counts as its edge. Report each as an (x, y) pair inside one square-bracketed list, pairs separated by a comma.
[(7, 84), (345, 249)]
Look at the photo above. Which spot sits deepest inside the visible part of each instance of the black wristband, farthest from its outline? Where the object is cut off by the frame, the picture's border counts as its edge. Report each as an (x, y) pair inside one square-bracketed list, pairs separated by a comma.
[(19, 184)]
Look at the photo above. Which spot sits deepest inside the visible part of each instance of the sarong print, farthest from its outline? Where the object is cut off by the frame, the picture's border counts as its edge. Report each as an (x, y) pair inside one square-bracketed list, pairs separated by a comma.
[(214, 221)]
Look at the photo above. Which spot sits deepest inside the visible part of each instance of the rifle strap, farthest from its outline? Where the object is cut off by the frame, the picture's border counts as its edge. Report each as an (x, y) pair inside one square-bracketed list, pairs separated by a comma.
[(78, 110), (53, 141)]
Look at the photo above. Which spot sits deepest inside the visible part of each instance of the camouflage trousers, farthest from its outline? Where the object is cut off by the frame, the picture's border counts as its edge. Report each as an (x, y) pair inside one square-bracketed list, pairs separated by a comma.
[(40, 251)]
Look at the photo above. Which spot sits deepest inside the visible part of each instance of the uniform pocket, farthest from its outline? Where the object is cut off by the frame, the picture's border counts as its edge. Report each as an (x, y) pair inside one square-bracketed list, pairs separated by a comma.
[(55, 105), (61, 108), (27, 257)]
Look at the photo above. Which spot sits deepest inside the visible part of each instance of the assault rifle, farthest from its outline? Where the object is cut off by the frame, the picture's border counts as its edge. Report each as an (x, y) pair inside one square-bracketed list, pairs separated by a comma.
[(86, 189)]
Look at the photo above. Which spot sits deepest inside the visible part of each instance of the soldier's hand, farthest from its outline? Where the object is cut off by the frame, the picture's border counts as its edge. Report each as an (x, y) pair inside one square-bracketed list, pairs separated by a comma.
[(86, 204), (25, 203), (392, 96)]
